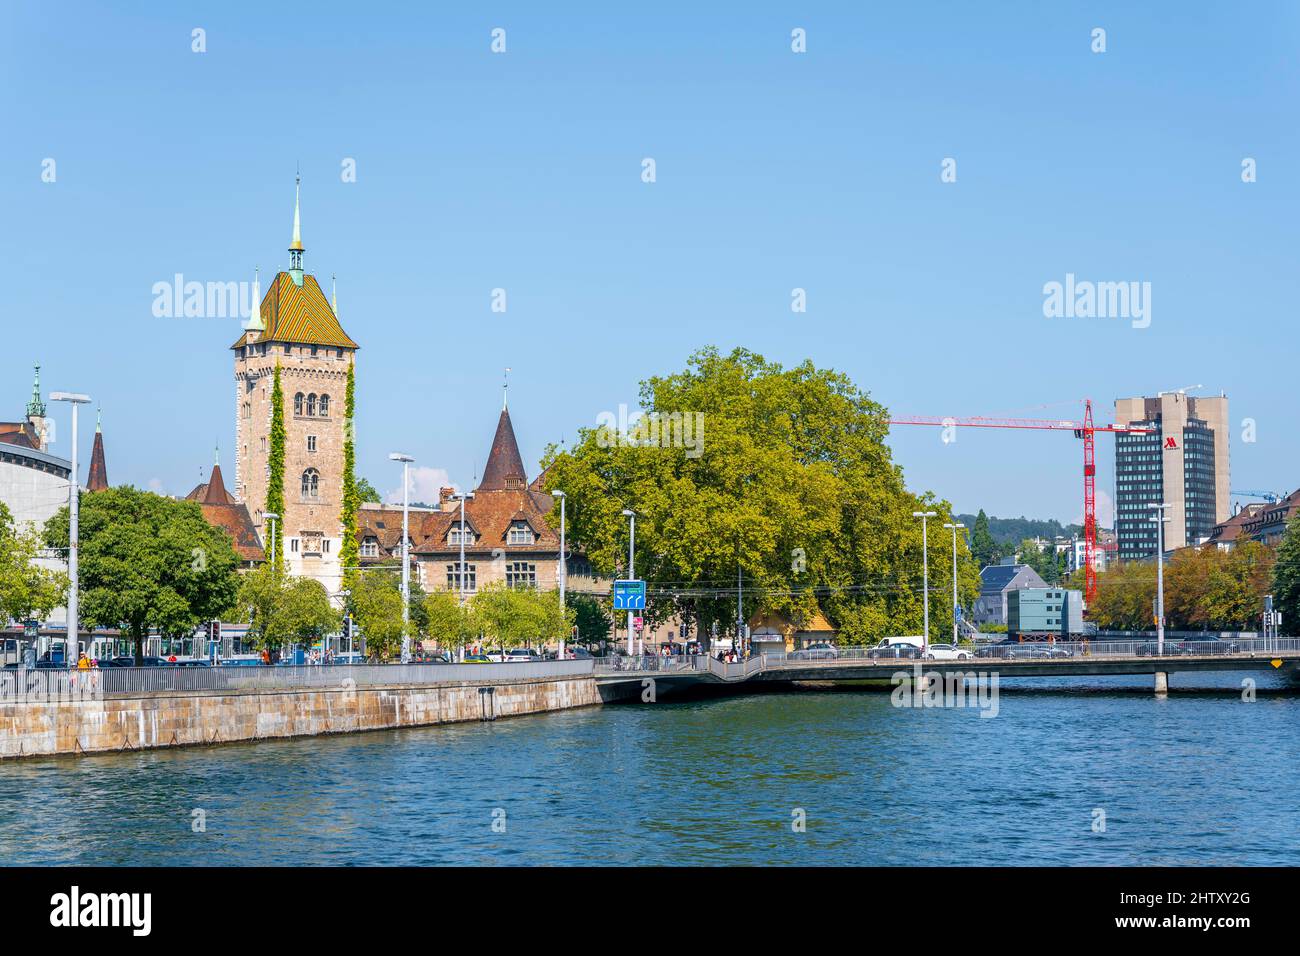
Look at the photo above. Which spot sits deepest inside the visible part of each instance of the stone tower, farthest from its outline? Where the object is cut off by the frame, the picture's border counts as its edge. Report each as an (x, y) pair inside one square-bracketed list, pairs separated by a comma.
[(295, 328)]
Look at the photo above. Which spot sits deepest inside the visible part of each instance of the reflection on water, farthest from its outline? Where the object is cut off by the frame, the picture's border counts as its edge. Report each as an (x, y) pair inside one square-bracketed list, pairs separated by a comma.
[(1195, 778)]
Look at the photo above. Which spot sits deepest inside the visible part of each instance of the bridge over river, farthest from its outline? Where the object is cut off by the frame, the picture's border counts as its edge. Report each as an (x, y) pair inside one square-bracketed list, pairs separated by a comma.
[(1006, 660)]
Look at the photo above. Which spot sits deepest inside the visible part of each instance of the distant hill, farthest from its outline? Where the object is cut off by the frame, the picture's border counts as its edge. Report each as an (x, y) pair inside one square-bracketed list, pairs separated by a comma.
[(1016, 530)]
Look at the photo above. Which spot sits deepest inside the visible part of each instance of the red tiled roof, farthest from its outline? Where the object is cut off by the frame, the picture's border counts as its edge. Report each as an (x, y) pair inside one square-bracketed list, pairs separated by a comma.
[(222, 511), (19, 433), (300, 315), (505, 466)]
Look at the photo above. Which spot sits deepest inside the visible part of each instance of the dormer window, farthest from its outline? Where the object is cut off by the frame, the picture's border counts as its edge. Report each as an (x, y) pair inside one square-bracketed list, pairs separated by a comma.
[(370, 548), (521, 533), (460, 535)]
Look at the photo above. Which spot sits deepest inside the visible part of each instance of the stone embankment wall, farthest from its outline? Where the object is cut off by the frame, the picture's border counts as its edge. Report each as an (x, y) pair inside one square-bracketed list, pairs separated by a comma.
[(173, 718)]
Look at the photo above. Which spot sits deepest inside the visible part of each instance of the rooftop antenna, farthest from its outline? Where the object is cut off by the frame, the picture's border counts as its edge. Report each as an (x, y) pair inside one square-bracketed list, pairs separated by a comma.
[(505, 388)]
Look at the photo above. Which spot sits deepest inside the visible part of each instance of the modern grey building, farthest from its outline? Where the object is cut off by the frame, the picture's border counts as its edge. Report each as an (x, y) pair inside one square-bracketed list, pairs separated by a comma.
[(996, 582), (1183, 462), (1044, 611)]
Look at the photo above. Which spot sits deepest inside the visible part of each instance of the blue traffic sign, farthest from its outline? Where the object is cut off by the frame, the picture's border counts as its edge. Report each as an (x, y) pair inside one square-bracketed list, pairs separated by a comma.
[(629, 595)]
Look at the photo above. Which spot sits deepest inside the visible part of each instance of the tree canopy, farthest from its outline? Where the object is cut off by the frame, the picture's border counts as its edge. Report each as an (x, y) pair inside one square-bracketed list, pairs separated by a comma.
[(784, 476), (148, 562), (27, 591), (282, 609)]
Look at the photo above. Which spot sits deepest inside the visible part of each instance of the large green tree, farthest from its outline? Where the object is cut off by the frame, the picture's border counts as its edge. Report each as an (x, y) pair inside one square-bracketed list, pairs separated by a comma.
[(27, 590), (448, 622), (1286, 577), (785, 477), (282, 609), (983, 549), (514, 617), (275, 461), (376, 603), (148, 562), (590, 616)]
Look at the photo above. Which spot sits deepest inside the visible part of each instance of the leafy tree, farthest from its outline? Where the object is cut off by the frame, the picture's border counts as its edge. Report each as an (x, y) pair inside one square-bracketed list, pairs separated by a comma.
[(148, 562), (275, 482), (418, 614), (448, 622), (513, 617), (591, 617), (1125, 593), (284, 609), (376, 603), (366, 491), (982, 547), (27, 591), (786, 476), (1286, 576), (349, 551)]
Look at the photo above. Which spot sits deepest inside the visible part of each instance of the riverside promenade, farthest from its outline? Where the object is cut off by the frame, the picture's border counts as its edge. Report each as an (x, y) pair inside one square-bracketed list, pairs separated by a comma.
[(46, 712)]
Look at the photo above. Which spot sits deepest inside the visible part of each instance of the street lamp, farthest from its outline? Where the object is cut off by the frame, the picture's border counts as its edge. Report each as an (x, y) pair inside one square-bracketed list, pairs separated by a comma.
[(925, 573), (955, 526), (631, 565), (72, 644), (1159, 518), (564, 563), (406, 561)]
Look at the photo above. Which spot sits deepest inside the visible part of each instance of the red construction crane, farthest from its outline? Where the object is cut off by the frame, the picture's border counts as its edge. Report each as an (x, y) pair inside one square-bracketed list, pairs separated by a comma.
[(1085, 430)]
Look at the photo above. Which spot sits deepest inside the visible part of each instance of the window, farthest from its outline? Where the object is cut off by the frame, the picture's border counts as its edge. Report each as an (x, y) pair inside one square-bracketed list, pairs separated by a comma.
[(453, 577), (293, 545), (297, 404), (521, 533), (521, 574), (263, 445), (370, 548), (324, 406), (311, 483), (311, 405), (457, 533), (311, 442)]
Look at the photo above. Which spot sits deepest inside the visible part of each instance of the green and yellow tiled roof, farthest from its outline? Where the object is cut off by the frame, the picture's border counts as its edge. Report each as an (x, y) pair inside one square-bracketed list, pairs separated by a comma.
[(299, 315)]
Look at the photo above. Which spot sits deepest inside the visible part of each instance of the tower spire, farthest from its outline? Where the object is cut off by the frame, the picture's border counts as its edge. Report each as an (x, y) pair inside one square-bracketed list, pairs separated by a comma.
[(295, 247), (334, 294), (36, 407), (99, 418), (255, 323), (505, 389)]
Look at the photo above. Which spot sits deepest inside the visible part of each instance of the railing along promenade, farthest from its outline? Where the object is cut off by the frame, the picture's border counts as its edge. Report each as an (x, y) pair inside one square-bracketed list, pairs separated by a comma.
[(56, 684)]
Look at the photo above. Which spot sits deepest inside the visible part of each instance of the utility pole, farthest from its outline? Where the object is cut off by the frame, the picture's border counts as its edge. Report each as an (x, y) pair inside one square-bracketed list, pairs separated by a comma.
[(72, 644), (925, 574), (406, 560), (564, 564), (631, 566), (955, 610), (1160, 520)]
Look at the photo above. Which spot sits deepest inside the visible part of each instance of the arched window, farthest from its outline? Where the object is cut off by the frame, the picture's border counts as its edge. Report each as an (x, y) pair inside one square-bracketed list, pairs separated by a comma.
[(297, 404), (324, 406), (311, 483), (311, 404)]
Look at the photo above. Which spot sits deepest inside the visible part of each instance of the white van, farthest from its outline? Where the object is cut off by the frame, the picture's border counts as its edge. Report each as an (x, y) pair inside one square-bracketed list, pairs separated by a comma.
[(917, 641)]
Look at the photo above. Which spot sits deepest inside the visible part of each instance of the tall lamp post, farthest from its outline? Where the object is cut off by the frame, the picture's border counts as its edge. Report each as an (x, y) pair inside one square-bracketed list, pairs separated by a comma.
[(925, 573), (954, 526), (1160, 518), (563, 567), (72, 644), (461, 534), (406, 560), (631, 565)]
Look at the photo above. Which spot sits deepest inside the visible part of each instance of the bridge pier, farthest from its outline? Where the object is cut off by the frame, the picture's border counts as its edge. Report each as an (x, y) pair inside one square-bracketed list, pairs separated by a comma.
[(1162, 684)]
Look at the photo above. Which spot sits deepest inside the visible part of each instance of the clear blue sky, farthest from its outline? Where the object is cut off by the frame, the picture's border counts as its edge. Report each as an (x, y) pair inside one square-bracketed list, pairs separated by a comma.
[(775, 171)]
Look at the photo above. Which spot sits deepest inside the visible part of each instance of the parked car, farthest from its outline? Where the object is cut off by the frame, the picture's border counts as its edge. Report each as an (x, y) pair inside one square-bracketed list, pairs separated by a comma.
[(946, 652), (820, 651), (1037, 652), (476, 659), (894, 652), (149, 661), (522, 655)]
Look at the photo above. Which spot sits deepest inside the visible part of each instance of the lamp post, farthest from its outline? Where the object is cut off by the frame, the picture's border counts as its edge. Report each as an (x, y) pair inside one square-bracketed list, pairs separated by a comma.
[(954, 526), (925, 573), (563, 567), (406, 560), (631, 565), (1159, 518), (72, 644)]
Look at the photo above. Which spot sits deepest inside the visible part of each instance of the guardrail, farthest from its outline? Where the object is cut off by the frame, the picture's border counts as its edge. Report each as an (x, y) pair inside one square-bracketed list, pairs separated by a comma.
[(49, 684)]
